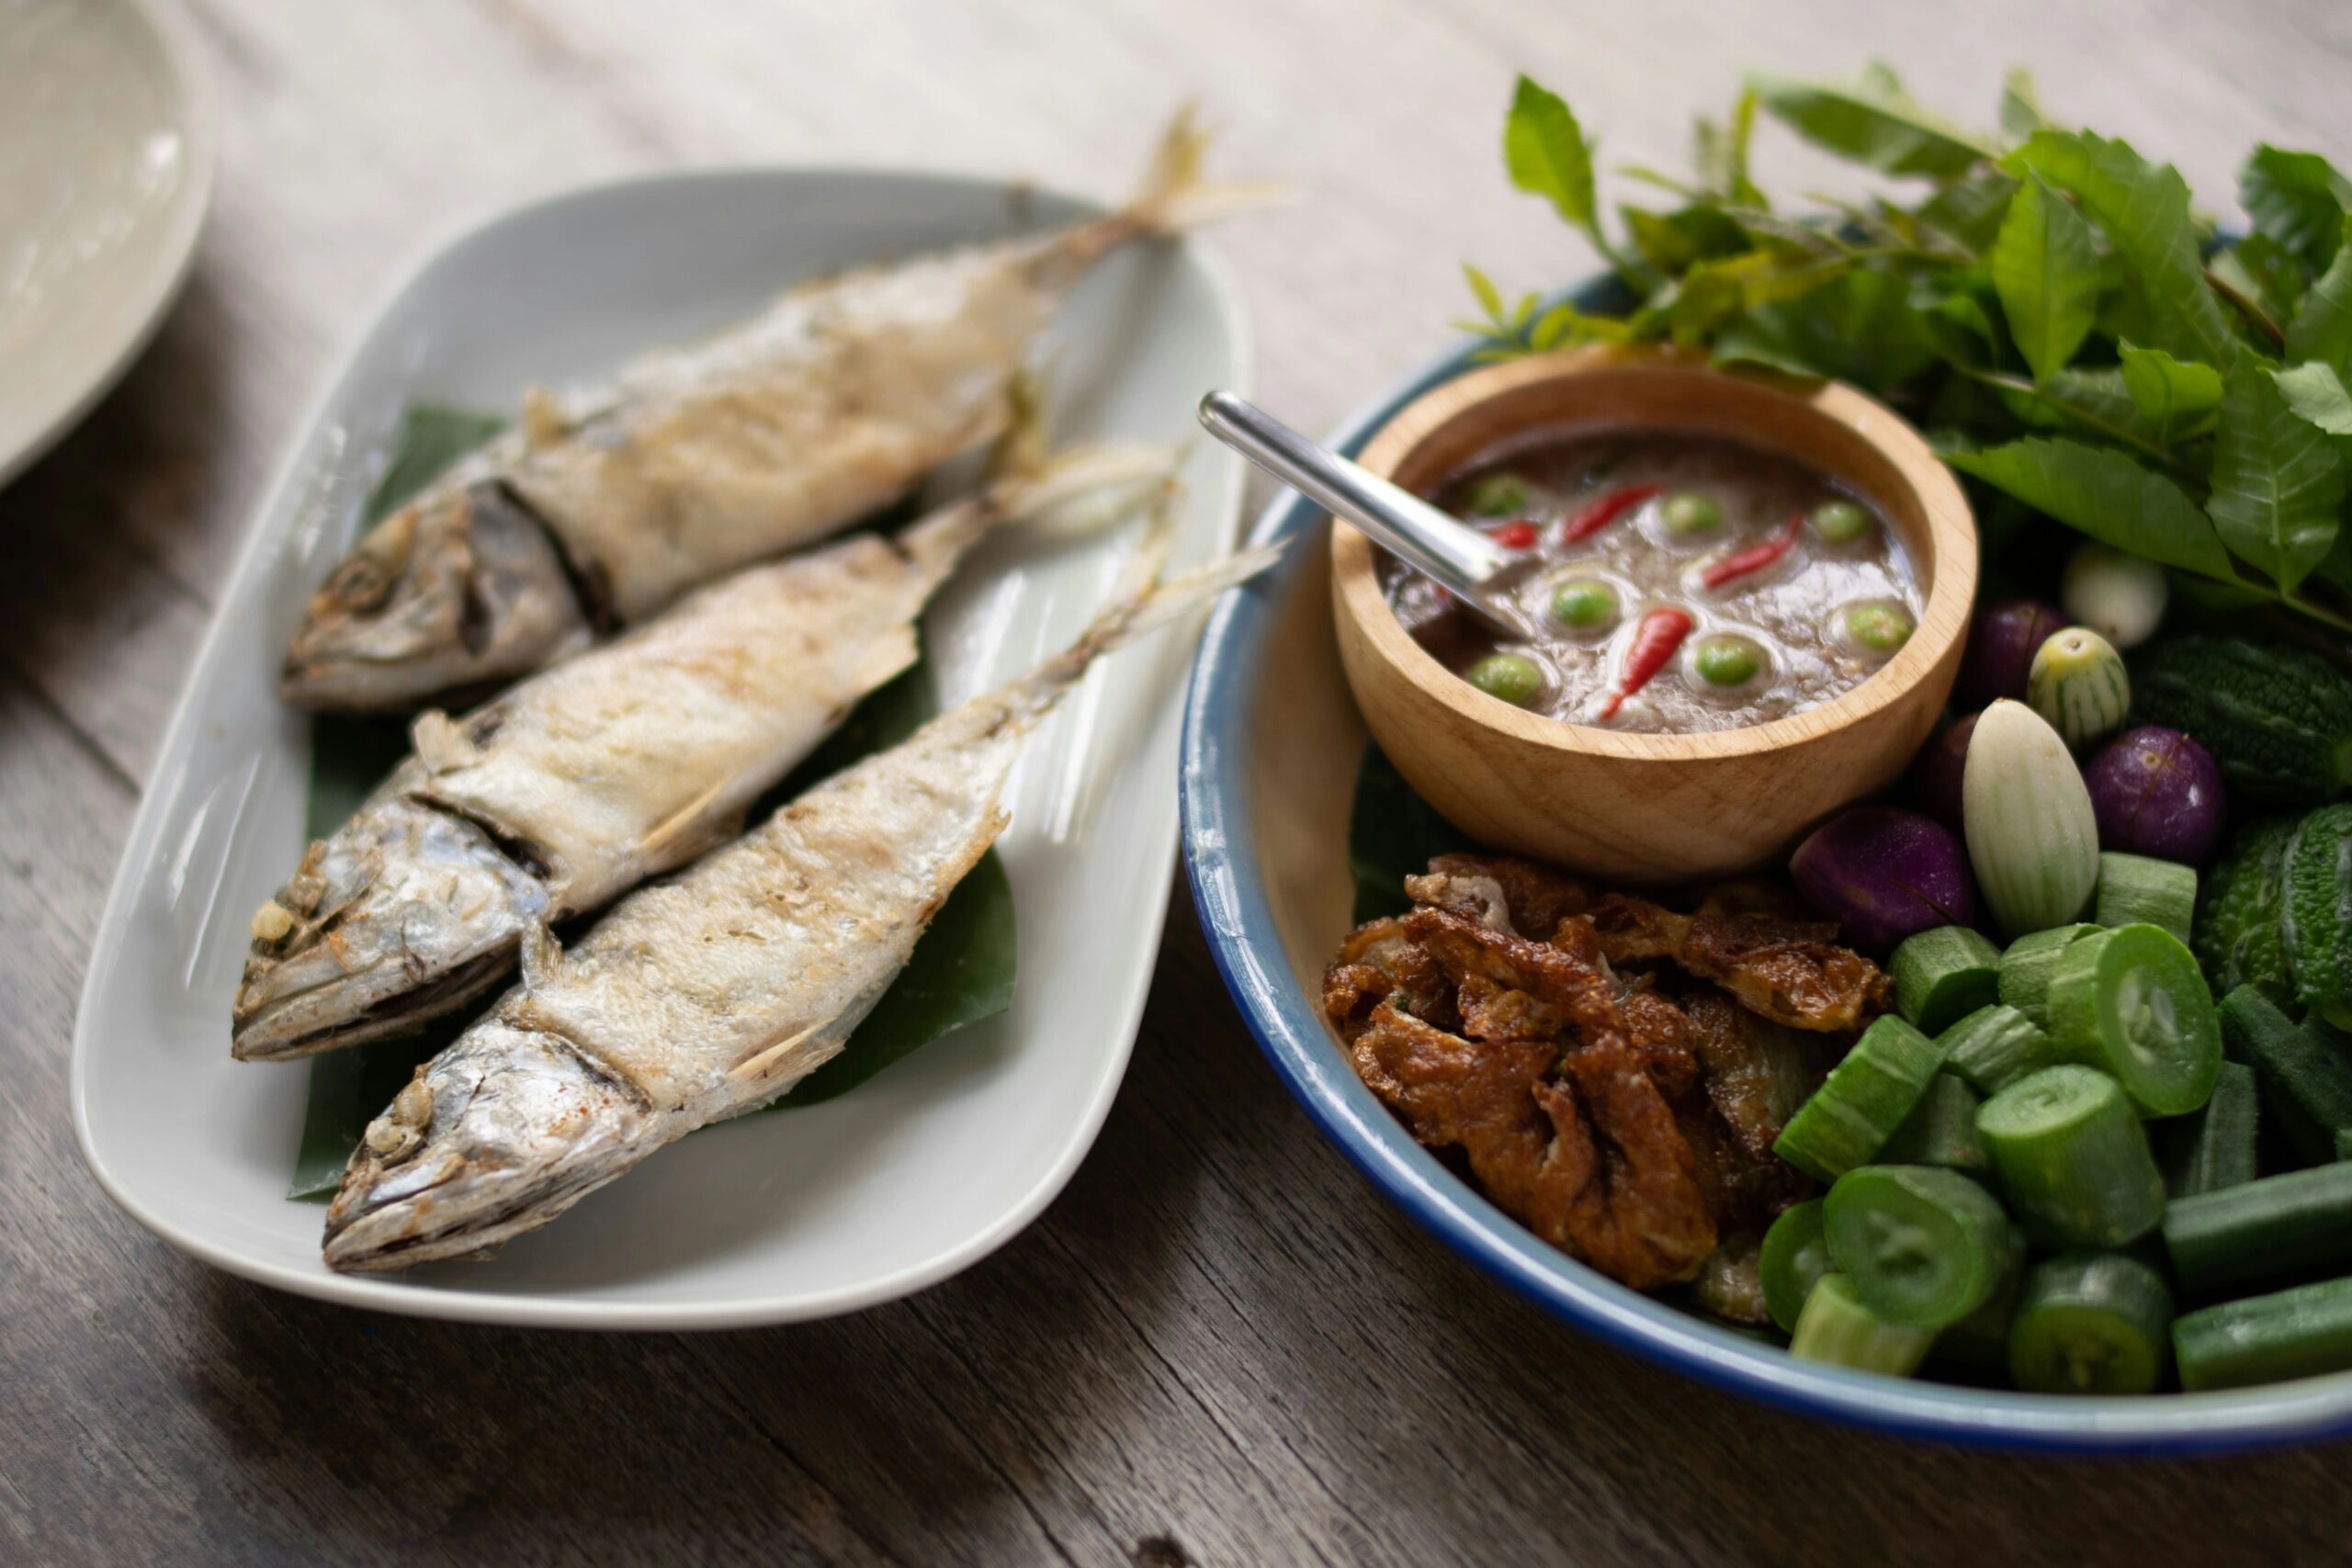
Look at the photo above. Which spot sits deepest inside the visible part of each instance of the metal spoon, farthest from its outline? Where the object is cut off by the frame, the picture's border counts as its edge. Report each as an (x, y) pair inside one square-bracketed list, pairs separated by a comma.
[(1467, 562)]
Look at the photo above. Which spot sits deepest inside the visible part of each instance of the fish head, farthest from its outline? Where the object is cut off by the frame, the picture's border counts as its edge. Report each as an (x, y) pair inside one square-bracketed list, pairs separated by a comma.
[(495, 1136), (407, 913), (459, 590)]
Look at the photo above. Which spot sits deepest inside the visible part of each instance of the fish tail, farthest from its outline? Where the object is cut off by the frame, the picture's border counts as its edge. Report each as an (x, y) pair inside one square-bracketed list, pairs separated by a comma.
[(1086, 487), (1172, 198), (1074, 492), (1175, 195), (1025, 479), (1140, 604)]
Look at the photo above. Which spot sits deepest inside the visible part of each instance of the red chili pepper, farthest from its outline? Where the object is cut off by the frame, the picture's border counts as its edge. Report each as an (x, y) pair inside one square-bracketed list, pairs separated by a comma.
[(1755, 557), (1607, 510), (1655, 640), (1520, 536)]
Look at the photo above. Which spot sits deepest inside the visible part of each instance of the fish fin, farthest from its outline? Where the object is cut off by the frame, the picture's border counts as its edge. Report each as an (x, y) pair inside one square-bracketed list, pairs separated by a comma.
[(1086, 487), (540, 953), (1175, 196), (1073, 493), (441, 743), (1140, 604), (757, 1064), (544, 420), (687, 832)]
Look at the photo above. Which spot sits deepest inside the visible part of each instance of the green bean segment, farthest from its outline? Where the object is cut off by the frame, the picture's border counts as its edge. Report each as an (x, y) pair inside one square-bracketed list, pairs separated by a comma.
[(1924, 1246)]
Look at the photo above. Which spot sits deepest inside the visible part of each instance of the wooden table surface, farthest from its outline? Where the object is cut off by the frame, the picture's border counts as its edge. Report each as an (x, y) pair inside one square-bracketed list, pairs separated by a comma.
[(1218, 1346)]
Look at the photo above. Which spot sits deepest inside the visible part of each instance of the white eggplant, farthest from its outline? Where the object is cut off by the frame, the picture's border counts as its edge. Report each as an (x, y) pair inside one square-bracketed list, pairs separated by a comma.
[(2030, 833), (2120, 596)]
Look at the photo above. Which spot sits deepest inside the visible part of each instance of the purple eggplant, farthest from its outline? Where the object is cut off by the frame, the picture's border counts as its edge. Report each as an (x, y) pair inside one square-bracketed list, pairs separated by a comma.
[(1935, 777), (2001, 646), (2155, 791), (1884, 874)]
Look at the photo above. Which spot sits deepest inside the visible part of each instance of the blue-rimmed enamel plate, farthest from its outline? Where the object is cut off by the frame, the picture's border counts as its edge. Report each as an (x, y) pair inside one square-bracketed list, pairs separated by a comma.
[(1271, 747)]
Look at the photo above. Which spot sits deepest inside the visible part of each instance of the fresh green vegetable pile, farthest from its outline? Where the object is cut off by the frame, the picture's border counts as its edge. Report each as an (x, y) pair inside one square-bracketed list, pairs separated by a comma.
[(2062, 1161), (2045, 302), (961, 972), (2053, 1144)]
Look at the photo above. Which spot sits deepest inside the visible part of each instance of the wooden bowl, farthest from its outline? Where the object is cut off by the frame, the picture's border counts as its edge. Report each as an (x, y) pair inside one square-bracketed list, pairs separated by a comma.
[(1637, 808)]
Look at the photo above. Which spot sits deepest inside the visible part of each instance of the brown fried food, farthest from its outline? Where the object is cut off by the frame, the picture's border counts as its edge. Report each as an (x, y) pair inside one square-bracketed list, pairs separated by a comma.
[(1728, 1283), (1593, 1162), (1378, 961), (1507, 985), (1501, 893), (1635, 930), (1792, 972), (1742, 1078), (1754, 1081), (1752, 895), (1662, 1037), (1616, 1191)]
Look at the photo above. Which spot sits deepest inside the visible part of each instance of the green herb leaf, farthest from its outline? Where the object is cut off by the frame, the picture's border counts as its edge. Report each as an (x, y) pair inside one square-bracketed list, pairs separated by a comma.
[(2100, 400), (1860, 327), (1719, 154), (2316, 394), (2107, 495), (962, 971), (1957, 323), (1664, 182), (2322, 329), (2275, 279), (2228, 275), (1969, 212), (432, 436), (2021, 113), (1743, 343), (1564, 324), (2143, 208), (1490, 298), (2178, 399), (2296, 199), (1674, 241), (1743, 131), (2045, 266), (1873, 122), (1547, 156), (1711, 294), (1392, 833), (2278, 479)]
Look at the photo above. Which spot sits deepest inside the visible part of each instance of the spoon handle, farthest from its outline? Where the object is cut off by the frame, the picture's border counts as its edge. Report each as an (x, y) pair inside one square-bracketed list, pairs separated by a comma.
[(1462, 560)]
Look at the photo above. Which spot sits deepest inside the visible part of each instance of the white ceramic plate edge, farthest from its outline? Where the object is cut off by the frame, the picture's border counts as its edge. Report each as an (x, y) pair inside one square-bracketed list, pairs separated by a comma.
[(178, 35), (261, 541)]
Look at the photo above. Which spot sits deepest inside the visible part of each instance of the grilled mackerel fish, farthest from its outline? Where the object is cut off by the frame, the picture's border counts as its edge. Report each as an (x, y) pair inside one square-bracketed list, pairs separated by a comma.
[(607, 501), (607, 769), (699, 999)]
